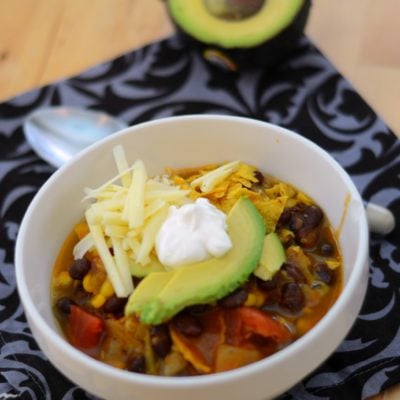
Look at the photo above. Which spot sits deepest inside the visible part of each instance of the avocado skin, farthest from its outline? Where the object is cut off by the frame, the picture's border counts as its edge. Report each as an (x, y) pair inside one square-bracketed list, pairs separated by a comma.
[(267, 54)]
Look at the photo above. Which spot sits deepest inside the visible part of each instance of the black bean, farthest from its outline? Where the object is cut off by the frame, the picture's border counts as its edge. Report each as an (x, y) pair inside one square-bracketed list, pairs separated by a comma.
[(285, 217), (259, 176), (324, 273), (327, 249), (160, 340), (301, 217), (235, 299), (294, 272), (197, 309), (79, 268), (292, 297), (312, 216), (138, 365), (188, 325), (268, 285), (296, 222), (64, 305), (114, 304)]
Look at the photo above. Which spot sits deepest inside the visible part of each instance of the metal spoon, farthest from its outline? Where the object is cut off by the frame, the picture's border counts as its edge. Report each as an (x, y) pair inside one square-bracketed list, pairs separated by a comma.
[(56, 134)]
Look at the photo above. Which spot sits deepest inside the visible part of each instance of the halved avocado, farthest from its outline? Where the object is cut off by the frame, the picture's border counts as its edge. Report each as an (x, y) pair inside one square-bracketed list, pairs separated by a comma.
[(161, 295), (258, 32)]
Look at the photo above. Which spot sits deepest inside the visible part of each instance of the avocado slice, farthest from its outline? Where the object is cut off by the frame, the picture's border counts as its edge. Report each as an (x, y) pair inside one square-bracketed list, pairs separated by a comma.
[(141, 271), (270, 30), (272, 257), (161, 295)]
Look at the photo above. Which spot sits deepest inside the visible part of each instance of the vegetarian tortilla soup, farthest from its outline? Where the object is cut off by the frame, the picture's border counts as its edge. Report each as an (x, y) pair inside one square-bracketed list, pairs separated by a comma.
[(195, 271)]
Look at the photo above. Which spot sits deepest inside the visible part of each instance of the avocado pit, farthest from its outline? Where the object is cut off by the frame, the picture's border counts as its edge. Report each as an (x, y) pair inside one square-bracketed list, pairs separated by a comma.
[(235, 10)]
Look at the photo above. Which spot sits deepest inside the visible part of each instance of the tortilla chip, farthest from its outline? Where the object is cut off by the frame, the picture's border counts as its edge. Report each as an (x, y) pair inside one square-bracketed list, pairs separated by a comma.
[(280, 189), (271, 210)]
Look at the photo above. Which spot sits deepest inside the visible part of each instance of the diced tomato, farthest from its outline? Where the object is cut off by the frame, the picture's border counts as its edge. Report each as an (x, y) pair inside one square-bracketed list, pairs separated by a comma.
[(247, 321), (84, 329)]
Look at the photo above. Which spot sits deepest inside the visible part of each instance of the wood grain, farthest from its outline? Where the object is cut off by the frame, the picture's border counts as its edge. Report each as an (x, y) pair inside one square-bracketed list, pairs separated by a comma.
[(46, 40)]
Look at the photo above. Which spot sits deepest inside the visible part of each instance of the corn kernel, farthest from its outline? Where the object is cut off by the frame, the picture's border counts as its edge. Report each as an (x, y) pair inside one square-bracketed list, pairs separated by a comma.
[(64, 279), (254, 299), (88, 284), (97, 301), (106, 289), (251, 300)]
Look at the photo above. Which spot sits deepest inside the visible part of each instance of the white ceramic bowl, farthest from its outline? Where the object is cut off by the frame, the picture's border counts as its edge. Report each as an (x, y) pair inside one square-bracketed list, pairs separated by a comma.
[(182, 142)]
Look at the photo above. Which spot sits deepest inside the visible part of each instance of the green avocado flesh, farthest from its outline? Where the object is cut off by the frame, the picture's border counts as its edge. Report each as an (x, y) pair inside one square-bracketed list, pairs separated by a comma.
[(139, 271), (272, 257), (196, 19), (161, 295)]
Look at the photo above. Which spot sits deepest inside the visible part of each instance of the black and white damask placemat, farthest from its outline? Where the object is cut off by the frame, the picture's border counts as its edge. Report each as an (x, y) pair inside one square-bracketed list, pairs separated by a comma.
[(305, 94)]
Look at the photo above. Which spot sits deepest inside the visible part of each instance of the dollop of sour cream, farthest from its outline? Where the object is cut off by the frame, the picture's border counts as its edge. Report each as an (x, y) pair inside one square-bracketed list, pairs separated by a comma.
[(191, 233)]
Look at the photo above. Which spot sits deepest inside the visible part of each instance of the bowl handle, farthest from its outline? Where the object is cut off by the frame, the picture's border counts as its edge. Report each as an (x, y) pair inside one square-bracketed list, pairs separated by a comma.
[(380, 219)]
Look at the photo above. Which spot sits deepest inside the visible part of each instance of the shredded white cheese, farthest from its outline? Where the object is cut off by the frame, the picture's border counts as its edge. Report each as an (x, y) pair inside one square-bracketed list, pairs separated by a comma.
[(135, 199), (210, 180), (124, 216), (84, 245), (122, 165)]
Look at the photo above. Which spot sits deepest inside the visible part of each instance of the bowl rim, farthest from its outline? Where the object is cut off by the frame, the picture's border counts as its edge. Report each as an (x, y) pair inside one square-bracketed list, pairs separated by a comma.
[(216, 378)]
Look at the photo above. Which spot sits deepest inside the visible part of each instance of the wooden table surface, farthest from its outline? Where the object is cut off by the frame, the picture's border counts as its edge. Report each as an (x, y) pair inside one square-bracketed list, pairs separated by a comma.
[(46, 40)]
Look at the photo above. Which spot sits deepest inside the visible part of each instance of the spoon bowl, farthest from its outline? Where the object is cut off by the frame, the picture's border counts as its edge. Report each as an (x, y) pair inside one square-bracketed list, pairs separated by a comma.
[(57, 134)]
